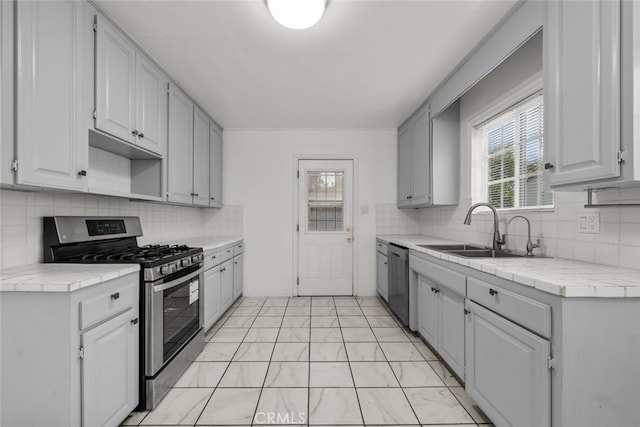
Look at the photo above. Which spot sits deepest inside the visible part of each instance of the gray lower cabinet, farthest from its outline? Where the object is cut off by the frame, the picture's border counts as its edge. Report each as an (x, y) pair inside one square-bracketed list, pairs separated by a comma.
[(237, 275), (382, 275), (71, 358), (427, 311), (223, 280), (211, 307), (109, 365), (441, 312), (507, 370), (522, 368), (52, 38), (452, 330), (226, 285)]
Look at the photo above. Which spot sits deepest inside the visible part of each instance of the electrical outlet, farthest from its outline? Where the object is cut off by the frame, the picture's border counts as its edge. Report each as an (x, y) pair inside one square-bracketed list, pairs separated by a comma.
[(589, 222)]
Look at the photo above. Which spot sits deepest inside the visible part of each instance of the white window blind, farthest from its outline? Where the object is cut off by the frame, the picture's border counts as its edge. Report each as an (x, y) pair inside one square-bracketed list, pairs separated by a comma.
[(508, 158)]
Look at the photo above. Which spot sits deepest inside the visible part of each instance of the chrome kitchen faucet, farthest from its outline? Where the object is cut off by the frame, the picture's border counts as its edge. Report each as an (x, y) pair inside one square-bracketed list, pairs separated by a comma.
[(498, 241)]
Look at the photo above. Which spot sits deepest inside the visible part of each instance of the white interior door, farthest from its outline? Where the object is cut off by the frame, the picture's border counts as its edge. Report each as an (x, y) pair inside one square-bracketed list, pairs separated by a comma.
[(325, 237)]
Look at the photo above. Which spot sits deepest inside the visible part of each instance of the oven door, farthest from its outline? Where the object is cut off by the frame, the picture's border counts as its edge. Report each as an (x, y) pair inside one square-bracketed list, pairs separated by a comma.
[(172, 316)]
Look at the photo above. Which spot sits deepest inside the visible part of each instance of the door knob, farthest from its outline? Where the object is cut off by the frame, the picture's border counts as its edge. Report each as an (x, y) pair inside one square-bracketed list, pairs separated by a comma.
[(349, 239)]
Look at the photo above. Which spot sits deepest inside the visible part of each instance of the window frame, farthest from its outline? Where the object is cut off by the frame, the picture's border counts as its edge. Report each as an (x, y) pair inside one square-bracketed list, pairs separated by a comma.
[(478, 176)]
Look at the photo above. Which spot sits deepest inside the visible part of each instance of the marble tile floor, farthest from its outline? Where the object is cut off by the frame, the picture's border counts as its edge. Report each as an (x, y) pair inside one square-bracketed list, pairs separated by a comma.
[(319, 361)]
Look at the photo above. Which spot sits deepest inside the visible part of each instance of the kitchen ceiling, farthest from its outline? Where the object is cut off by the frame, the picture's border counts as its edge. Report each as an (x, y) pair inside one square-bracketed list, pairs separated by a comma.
[(366, 64)]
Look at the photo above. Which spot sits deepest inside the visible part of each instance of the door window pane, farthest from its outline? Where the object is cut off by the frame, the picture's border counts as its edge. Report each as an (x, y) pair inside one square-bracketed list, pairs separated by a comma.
[(325, 201)]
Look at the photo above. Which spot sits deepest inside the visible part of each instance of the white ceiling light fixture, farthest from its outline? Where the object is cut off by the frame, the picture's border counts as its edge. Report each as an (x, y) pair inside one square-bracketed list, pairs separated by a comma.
[(297, 14)]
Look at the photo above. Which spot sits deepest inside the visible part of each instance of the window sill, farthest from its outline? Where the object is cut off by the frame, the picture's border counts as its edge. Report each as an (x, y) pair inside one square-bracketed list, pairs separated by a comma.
[(486, 210)]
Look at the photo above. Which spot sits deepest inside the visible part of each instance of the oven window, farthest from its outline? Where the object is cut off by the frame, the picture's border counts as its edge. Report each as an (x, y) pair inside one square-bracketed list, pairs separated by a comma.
[(181, 317)]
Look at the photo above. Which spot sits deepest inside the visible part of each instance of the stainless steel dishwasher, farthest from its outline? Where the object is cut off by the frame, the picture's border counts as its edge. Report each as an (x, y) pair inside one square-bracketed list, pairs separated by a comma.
[(399, 282)]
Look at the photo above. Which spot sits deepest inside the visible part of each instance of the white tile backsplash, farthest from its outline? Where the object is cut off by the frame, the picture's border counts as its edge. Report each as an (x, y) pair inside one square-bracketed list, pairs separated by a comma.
[(617, 244), (22, 212)]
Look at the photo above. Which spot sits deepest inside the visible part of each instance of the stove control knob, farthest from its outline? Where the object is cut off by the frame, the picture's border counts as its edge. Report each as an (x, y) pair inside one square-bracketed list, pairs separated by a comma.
[(195, 259), (165, 270), (184, 263)]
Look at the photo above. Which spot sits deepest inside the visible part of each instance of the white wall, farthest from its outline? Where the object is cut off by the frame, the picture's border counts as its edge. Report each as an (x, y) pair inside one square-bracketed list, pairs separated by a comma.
[(259, 174)]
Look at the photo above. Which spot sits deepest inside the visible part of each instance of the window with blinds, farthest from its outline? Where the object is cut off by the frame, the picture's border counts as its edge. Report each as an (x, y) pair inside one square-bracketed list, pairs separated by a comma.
[(509, 157)]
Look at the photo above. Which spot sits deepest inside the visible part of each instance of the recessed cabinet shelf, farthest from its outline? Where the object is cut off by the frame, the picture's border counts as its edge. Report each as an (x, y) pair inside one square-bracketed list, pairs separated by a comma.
[(116, 175)]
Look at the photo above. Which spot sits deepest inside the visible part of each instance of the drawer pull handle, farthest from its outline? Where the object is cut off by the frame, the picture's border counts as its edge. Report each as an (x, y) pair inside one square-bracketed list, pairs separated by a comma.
[(493, 292), (134, 321), (115, 296)]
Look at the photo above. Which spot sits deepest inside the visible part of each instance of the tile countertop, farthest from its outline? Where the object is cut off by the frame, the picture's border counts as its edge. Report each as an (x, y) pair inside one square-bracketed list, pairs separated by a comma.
[(60, 277), (558, 276), (208, 243)]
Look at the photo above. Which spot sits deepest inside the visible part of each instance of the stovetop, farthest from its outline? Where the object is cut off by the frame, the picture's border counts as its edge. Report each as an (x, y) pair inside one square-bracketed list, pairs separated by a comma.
[(148, 256)]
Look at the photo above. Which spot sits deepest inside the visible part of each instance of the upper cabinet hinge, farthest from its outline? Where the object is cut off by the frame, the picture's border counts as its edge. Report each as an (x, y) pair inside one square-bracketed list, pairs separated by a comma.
[(298, 281), (622, 156), (14, 165), (298, 174), (551, 362), (298, 227), (81, 353), (95, 114)]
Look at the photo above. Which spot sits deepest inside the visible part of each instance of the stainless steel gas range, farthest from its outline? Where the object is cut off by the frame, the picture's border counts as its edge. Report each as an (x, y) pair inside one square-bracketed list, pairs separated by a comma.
[(170, 278)]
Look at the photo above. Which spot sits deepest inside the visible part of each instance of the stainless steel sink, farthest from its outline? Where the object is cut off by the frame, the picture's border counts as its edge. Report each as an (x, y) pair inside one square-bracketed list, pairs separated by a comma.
[(485, 253), (460, 247)]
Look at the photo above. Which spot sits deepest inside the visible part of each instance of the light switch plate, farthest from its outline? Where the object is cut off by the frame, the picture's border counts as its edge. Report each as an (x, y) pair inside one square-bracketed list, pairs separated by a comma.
[(589, 222)]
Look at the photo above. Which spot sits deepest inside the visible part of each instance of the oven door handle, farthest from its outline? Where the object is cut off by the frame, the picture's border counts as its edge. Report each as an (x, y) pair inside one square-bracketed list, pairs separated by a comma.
[(178, 281)]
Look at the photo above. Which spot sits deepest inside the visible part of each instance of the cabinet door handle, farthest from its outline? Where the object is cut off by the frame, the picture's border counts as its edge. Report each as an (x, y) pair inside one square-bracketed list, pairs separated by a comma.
[(409, 197), (134, 321), (213, 198), (493, 292), (548, 166), (466, 312), (141, 135), (115, 296), (82, 172), (222, 270), (194, 194), (385, 263), (134, 132)]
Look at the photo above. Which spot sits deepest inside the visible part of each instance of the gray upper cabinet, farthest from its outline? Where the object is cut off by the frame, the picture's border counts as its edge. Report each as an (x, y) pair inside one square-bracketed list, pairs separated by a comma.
[(421, 158), (195, 152), (215, 167), (428, 159), (200, 158), (180, 150), (582, 91), (51, 144), (404, 169), (115, 82), (151, 106), (131, 92)]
